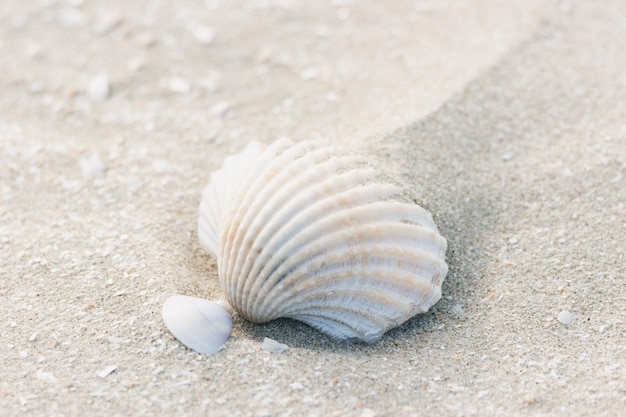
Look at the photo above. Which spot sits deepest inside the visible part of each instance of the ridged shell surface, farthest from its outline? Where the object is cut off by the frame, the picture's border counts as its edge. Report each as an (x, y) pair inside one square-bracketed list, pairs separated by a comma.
[(313, 235)]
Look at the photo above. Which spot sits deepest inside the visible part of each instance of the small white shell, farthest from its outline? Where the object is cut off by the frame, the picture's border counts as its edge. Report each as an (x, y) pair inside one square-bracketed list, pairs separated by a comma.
[(201, 325), (313, 236)]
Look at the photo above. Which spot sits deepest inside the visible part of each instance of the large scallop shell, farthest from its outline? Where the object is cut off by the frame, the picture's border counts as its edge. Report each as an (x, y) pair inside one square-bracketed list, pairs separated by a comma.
[(315, 236)]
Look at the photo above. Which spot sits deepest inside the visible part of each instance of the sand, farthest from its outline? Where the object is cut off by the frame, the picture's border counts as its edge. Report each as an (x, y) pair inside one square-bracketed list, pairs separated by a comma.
[(506, 119)]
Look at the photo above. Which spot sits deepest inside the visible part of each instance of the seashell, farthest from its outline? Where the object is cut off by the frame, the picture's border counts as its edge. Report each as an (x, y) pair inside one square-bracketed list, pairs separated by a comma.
[(316, 236), (200, 324)]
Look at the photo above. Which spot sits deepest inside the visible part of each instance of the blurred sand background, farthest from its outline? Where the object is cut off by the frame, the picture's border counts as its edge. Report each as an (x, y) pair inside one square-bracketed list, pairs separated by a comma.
[(507, 119)]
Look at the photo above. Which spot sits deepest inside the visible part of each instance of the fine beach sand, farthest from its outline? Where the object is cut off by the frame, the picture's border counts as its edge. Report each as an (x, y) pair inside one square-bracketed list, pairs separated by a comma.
[(506, 119)]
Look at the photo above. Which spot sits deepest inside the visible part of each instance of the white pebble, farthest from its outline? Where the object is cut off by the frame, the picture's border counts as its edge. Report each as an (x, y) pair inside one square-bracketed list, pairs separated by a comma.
[(34, 51), (178, 85), (565, 317), (146, 39), (322, 31), (272, 346), (98, 88), (368, 412), (343, 13), (308, 74), (458, 311), (296, 386), (92, 166), (209, 84), (136, 64), (332, 96), (106, 371), (36, 87), (482, 394), (199, 324), (220, 109), (204, 35), (72, 18), (161, 166), (47, 376), (106, 23)]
